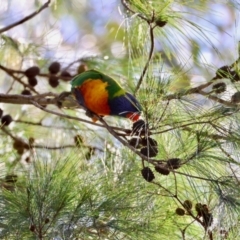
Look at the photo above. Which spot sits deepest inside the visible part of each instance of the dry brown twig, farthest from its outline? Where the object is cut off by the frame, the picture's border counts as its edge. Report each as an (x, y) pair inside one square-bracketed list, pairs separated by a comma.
[(45, 5), (46, 75), (11, 73), (151, 33), (110, 129)]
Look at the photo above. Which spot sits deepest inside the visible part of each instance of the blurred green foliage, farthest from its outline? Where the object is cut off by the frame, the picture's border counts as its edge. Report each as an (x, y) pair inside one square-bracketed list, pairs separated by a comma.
[(93, 189)]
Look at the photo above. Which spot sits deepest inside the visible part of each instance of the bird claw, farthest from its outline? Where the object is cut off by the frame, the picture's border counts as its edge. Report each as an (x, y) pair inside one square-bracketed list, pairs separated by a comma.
[(66, 100), (89, 113), (92, 115)]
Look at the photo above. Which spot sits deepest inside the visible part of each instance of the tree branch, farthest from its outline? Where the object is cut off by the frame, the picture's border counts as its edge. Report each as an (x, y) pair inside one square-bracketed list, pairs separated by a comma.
[(151, 28), (41, 100), (45, 5), (36, 104), (199, 89), (10, 72), (216, 99), (110, 129), (27, 99), (46, 75), (125, 4)]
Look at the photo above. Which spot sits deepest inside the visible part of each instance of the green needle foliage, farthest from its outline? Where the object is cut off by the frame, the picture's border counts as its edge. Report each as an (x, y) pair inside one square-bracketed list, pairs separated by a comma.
[(58, 199), (172, 175)]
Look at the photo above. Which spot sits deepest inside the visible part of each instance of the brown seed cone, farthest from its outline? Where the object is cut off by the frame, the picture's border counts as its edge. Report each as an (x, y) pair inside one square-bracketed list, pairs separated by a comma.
[(54, 67), (47, 220), (199, 209), (180, 212), (18, 144), (82, 68), (223, 72), (20, 151), (162, 170), (207, 219), (32, 81), (6, 119), (174, 163), (135, 142), (187, 205), (149, 151), (31, 140), (147, 174), (160, 23), (89, 153), (32, 228), (235, 97), (66, 74), (78, 139), (11, 178), (32, 72), (235, 77), (139, 127), (219, 87), (26, 92), (146, 141), (53, 81)]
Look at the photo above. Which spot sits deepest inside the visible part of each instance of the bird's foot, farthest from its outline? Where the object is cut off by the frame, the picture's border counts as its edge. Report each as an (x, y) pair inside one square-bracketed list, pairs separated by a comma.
[(92, 115), (66, 100), (89, 113)]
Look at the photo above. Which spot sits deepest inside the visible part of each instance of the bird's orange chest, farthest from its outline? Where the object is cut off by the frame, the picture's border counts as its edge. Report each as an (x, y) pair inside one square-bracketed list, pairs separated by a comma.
[(95, 96)]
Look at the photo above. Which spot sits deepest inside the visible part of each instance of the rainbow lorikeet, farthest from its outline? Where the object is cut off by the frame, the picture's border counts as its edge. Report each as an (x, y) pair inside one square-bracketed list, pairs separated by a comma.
[(102, 95)]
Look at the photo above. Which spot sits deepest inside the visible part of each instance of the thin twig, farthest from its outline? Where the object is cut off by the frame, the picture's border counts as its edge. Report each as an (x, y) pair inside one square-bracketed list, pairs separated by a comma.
[(228, 156), (197, 177), (193, 123), (206, 134), (125, 4), (11, 86), (46, 75), (36, 104), (216, 99), (165, 189), (41, 100), (27, 99), (9, 72), (110, 129), (151, 28), (45, 126), (163, 113), (45, 5), (175, 181), (125, 143), (181, 126), (178, 200), (53, 148), (11, 135), (184, 230), (199, 89), (70, 64), (32, 146)]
